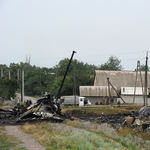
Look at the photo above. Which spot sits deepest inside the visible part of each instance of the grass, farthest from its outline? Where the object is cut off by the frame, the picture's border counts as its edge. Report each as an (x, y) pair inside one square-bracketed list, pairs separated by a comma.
[(127, 137), (103, 109), (62, 136), (8, 142), (85, 135), (77, 135)]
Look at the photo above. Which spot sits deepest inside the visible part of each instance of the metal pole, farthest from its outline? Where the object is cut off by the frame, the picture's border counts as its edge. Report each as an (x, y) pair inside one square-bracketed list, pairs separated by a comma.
[(65, 75)]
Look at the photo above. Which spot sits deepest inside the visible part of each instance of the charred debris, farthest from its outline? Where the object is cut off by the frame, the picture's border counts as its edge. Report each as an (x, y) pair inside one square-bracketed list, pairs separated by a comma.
[(46, 109)]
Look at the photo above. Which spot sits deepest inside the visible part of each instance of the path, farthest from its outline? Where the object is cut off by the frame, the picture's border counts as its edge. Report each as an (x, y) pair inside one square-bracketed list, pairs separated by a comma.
[(28, 142)]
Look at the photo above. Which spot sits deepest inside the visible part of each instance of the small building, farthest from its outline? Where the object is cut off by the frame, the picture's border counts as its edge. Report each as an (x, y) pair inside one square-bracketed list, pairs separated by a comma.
[(127, 94), (96, 93), (120, 80)]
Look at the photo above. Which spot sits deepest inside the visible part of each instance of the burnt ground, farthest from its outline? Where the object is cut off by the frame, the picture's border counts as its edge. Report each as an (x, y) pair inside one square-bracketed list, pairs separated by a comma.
[(7, 118)]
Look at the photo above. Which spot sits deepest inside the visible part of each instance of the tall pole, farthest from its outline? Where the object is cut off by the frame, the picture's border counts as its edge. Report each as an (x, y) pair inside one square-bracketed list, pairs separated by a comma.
[(40, 77), (75, 87), (22, 85), (146, 80), (1, 72), (18, 75), (9, 74), (141, 82), (135, 84), (114, 89), (109, 89), (138, 66), (65, 76)]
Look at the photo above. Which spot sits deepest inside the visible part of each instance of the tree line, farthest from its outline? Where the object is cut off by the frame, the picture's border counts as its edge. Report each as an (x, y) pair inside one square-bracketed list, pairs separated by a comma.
[(38, 80)]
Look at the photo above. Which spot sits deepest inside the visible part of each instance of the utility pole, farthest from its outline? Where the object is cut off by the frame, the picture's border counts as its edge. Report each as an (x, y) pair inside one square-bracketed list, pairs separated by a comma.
[(56, 73), (146, 79), (75, 87), (114, 90), (138, 67), (1, 72), (22, 97), (21, 83), (18, 75), (109, 89), (40, 77), (65, 76), (9, 74)]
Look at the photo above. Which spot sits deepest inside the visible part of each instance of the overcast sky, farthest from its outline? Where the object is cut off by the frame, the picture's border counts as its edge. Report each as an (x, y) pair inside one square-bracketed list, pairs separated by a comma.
[(49, 30)]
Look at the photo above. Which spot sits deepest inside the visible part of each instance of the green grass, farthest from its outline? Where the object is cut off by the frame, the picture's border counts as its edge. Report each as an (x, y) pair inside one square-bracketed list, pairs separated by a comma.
[(96, 111), (77, 135), (130, 140), (8, 142), (64, 137)]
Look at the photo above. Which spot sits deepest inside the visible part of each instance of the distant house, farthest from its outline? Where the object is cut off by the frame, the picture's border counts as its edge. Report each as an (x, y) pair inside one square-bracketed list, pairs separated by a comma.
[(96, 93), (117, 78)]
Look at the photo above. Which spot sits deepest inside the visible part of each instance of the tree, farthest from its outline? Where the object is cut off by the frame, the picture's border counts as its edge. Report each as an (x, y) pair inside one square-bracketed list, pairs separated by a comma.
[(113, 63), (8, 87), (84, 76), (143, 68)]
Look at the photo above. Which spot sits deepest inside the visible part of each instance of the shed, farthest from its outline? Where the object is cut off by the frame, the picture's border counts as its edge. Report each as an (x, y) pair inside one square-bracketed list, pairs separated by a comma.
[(96, 93)]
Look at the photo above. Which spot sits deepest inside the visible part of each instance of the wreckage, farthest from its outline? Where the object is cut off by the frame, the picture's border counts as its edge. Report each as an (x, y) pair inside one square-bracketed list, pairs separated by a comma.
[(44, 108)]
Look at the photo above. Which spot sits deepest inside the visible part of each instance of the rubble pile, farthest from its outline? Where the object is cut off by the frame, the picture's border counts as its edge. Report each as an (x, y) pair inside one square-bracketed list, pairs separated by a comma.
[(43, 109)]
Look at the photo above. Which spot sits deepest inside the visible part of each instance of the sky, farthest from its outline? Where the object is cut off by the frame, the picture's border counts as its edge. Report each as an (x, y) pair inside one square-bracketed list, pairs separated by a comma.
[(48, 31)]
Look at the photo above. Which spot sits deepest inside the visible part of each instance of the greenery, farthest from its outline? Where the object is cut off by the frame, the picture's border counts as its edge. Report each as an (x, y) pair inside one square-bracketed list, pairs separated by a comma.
[(143, 68), (38, 80), (8, 87), (113, 63), (97, 111), (76, 135), (62, 136)]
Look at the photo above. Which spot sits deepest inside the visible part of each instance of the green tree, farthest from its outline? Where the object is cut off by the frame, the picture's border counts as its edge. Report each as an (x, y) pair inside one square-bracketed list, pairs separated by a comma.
[(84, 76), (8, 87), (113, 63), (143, 68), (67, 88)]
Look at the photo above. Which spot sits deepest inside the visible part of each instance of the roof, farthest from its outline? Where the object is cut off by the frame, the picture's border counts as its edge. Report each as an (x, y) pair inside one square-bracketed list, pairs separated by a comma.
[(96, 91), (119, 78)]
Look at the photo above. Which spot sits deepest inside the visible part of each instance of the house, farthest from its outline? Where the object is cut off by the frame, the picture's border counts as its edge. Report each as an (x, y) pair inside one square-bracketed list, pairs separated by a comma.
[(96, 93), (118, 79)]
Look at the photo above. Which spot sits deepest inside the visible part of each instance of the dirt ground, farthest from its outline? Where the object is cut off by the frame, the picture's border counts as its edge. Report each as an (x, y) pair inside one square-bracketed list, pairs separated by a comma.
[(26, 140)]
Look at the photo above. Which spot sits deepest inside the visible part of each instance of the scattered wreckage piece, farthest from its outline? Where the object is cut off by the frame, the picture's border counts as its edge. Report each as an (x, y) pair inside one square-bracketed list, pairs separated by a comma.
[(43, 109), (142, 120)]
